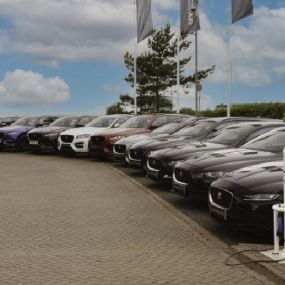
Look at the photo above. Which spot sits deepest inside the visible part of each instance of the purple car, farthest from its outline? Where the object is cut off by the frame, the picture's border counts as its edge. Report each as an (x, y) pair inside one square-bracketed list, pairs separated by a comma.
[(15, 136)]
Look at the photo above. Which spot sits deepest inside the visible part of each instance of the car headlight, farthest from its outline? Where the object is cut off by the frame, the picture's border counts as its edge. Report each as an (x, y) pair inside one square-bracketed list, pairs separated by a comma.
[(209, 175), (261, 197), (117, 137), (52, 135), (172, 164), (85, 136), (13, 133)]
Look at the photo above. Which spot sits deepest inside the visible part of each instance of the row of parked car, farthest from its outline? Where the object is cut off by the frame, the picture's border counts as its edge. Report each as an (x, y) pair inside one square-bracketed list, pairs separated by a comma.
[(236, 163)]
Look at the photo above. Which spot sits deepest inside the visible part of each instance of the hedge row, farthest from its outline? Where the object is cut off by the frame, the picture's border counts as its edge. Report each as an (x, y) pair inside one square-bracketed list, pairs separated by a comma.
[(266, 110)]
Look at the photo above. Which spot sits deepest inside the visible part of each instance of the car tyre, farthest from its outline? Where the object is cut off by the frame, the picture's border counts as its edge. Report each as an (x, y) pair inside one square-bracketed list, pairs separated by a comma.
[(22, 144)]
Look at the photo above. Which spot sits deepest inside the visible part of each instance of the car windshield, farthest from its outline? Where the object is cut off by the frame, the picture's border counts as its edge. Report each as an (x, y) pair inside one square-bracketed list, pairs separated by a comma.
[(137, 122), (26, 122), (68, 122), (272, 141), (230, 136), (9, 119), (168, 128), (84, 121), (102, 122), (196, 130)]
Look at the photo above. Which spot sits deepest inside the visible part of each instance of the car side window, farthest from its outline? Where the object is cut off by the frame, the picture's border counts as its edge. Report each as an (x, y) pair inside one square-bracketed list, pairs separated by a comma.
[(160, 121), (223, 125), (257, 133), (121, 120)]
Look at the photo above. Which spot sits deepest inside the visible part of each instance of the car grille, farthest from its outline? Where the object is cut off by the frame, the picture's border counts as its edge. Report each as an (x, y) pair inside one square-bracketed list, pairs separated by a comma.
[(120, 148), (97, 140), (136, 154), (1, 136), (182, 175), (221, 197), (66, 148), (155, 164), (66, 138), (34, 137)]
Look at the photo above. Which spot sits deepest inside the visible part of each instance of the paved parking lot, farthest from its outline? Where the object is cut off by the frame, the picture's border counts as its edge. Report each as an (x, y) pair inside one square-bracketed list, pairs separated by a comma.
[(74, 221)]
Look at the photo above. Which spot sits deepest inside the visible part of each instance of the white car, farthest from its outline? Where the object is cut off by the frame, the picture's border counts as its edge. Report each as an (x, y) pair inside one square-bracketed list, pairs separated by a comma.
[(76, 140)]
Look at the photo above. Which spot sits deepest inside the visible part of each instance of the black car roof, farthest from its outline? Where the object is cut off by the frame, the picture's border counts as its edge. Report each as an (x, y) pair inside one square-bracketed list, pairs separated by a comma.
[(257, 124), (246, 119)]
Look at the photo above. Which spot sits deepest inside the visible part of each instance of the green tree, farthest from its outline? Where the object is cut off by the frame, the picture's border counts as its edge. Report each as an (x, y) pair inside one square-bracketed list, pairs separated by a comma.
[(126, 102), (157, 70)]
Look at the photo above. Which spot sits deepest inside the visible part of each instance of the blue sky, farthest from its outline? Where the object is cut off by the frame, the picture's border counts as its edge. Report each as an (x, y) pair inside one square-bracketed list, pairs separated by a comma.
[(67, 56)]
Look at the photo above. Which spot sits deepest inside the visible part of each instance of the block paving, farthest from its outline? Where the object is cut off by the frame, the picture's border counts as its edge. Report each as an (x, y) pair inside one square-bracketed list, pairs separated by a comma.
[(76, 221)]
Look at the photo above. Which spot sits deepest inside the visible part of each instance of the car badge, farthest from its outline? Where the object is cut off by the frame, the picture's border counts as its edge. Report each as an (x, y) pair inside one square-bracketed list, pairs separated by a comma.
[(219, 195), (181, 173), (154, 162)]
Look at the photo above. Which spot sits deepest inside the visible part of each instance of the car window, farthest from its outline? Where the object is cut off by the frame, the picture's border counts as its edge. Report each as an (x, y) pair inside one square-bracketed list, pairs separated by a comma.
[(257, 133), (273, 141), (137, 122), (162, 120), (102, 122), (120, 121), (223, 125), (195, 130), (27, 122), (84, 121), (168, 128), (230, 136), (67, 122)]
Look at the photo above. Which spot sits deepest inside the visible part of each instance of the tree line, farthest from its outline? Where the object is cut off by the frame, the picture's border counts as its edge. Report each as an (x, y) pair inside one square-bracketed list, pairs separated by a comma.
[(266, 110)]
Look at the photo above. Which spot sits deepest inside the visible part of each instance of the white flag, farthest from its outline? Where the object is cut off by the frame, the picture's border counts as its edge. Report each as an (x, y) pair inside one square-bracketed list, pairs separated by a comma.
[(189, 17), (241, 9), (144, 19)]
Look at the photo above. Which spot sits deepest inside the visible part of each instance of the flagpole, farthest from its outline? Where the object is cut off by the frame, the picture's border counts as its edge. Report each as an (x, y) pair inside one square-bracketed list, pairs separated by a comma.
[(230, 68), (135, 79), (196, 71), (135, 59), (178, 69)]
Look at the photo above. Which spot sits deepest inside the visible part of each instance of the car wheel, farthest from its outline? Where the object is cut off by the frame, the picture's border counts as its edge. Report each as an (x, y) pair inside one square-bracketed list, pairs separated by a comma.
[(22, 144)]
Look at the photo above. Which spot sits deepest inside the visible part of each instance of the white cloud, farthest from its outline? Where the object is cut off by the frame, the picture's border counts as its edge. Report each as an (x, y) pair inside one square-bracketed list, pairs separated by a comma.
[(186, 98), (52, 31), (257, 50), (26, 88), (69, 30), (111, 88)]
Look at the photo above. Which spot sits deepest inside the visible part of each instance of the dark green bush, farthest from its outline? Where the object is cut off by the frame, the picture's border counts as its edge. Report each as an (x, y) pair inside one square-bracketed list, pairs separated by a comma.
[(266, 110)]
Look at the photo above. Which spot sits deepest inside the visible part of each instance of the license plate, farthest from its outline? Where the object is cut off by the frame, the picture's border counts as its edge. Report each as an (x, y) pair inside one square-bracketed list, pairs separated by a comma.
[(96, 147), (220, 213), (180, 188), (153, 174), (34, 142), (135, 163)]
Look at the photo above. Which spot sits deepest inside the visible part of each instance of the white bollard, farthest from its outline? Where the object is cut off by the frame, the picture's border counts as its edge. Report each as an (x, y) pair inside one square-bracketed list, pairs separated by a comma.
[(277, 254), (279, 208)]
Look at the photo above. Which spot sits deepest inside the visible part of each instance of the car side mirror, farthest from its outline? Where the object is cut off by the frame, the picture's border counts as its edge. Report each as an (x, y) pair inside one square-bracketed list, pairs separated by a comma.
[(116, 125), (39, 125)]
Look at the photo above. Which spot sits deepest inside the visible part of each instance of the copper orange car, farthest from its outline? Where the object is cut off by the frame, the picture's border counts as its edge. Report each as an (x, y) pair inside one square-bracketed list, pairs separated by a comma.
[(101, 145)]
